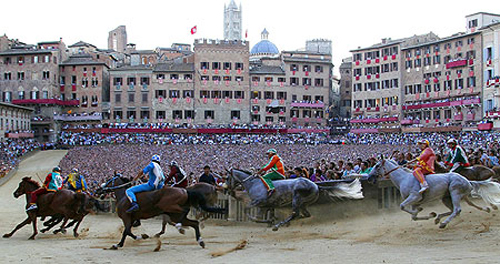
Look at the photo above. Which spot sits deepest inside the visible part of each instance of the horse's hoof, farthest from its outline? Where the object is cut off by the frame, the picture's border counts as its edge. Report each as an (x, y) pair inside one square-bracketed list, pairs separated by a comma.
[(75, 234), (114, 247), (436, 221), (182, 231), (144, 236), (442, 225), (433, 214), (494, 207), (31, 238), (56, 231), (7, 235), (275, 228), (202, 244), (63, 231), (43, 231), (158, 235)]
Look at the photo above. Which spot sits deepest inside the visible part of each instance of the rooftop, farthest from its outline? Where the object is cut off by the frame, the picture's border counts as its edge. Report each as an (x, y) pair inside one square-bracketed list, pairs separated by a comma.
[(174, 67), (266, 69), (82, 59), (81, 44)]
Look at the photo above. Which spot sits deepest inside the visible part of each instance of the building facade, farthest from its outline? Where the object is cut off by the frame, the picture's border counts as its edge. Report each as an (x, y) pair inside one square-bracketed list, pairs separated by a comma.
[(117, 39), (15, 121), (491, 78), (345, 88)]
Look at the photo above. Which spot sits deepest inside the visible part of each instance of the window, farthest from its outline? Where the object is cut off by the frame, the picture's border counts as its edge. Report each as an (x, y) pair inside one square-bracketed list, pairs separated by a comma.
[(209, 114), (473, 23), (357, 57), (239, 78), (174, 76), (131, 97), (20, 76), (177, 114), (216, 65), (35, 60), (318, 68), (418, 63), (117, 81), (294, 97), (471, 54), (189, 114), (318, 82), (357, 87), (268, 79), (187, 94), (130, 114), (268, 95), (318, 98), (131, 81), (255, 79), (215, 78), (20, 95), (160, 93), (160, 115), (294, 81), (160, 76), (117, 114), (239, 95), (227, 78), (227, 66), (293, 67), (34, 95), (173, 94), (235, 114), (144, 80), (204, 94), (229, 94), (118, 98), (7, 76), (188, 77), (46, 58), (306, 113), (459, 83), (281, 96), (144, 97), (45, 95), (239, 65), (471, 81), (306, 68), (144, 114), (216, 94), (306, 98)]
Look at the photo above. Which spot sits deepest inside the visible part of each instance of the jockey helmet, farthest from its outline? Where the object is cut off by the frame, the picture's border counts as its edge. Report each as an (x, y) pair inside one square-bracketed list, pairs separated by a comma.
[(452, 141), (424, 141), (74, 170), (56, 169), (156, 158), (174, 163), (272, 151)]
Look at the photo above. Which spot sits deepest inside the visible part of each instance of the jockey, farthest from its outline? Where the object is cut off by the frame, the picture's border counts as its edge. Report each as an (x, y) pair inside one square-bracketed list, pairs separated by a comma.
[(52, 183), (425, 164), (177, 175), (276, 168), (457, 158), (76, 182), (156, 179)]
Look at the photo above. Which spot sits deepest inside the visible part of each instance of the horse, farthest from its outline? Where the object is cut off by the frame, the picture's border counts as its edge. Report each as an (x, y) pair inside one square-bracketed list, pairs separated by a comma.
[(450, 187), (298, 192), (63, 202), (473, 173), (211, 200), (175, 202)]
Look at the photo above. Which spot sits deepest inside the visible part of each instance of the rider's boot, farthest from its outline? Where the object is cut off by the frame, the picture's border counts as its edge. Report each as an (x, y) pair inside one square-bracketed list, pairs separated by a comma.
[(423, 187), (32, 207), (133, 207)]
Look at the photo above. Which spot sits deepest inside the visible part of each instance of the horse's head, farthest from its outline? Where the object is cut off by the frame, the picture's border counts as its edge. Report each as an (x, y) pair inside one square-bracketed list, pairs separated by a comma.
[(236, 177), (383, 168), (26, 185), (115, 183)]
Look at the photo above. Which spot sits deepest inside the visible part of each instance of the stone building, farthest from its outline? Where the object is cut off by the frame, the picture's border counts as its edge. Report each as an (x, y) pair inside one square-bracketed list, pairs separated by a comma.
[(442, 84), (232, 21), (15, 121), (376, 85), (345, 88), (222, 92), (117, 39)]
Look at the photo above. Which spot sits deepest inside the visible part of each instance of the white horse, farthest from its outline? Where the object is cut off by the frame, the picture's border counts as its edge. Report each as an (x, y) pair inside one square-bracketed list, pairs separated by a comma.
[(451, 188)]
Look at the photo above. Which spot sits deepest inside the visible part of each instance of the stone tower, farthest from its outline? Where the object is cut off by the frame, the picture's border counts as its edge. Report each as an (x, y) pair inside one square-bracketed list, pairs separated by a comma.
[(117, 39), (232, 21)]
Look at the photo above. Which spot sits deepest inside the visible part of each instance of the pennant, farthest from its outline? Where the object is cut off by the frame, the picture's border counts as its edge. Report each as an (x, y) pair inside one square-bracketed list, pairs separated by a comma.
[(246, 33), (226, 100), (205, 100), (194, 30), (174, 100), (188, 100)]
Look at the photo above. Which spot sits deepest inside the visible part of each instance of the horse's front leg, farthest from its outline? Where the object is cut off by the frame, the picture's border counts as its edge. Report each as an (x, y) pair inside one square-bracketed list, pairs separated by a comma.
[(19, 226), (296, 205), (163, 225), (33, 221), (75, 230), (409, 202), (195, 225), (62, 229), (419, 218)]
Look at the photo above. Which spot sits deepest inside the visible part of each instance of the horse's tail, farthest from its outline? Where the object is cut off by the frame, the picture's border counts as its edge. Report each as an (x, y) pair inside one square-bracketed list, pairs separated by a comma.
[(196, 198), (488, 190), (352, 190)]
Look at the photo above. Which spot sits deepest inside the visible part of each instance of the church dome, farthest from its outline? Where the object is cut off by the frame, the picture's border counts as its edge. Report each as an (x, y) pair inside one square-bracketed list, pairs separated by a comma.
[(264, 46)]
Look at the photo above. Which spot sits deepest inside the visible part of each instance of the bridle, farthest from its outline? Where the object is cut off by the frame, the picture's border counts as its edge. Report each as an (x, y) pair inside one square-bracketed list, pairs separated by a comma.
[(106, 189), (386, 174)]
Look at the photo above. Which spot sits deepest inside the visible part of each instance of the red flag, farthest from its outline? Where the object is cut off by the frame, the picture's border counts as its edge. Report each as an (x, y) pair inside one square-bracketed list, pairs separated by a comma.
[(246, 33), (193, 30)]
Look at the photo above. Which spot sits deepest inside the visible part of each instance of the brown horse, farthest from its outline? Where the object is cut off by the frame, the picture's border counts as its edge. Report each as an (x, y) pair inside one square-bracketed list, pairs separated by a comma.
[(474, 173), (175, 202), (63, 202), (211, 199)]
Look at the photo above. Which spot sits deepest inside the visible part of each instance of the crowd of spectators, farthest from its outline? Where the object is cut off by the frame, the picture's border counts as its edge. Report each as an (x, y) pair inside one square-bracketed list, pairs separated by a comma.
[(11, 152)]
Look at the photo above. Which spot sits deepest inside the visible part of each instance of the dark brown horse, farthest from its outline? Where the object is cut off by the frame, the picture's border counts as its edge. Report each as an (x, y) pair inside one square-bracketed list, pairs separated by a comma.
[(63, 202), (175, 202), (474, 173)]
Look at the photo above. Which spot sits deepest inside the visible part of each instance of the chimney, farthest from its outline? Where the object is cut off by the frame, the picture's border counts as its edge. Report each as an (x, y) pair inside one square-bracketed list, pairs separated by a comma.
[(384, 40)]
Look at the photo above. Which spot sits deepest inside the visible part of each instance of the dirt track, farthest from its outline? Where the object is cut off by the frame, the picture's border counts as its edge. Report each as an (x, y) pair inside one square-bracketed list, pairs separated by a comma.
[(386, 238)]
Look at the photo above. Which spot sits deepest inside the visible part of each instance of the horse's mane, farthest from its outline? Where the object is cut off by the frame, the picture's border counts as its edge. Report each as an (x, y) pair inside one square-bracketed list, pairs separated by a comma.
[(245, 171), (29, 180), (124, 179), (401, 167)]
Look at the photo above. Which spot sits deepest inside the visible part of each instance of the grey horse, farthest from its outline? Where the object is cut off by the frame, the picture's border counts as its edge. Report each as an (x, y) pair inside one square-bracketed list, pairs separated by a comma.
[(451, 188), (299, 193)]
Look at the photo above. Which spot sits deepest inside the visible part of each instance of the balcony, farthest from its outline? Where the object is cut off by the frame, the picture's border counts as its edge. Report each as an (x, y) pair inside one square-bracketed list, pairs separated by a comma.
[(19, 135), (458, 117), (374, 120), (364, 130), (46, 102), (485, 126), (84, 117), (308, 105), (358, 111), (456, 64), (410, 121)]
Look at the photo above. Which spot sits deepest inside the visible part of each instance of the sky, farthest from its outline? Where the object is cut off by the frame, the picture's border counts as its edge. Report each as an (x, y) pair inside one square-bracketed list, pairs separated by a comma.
[(151, 23)]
